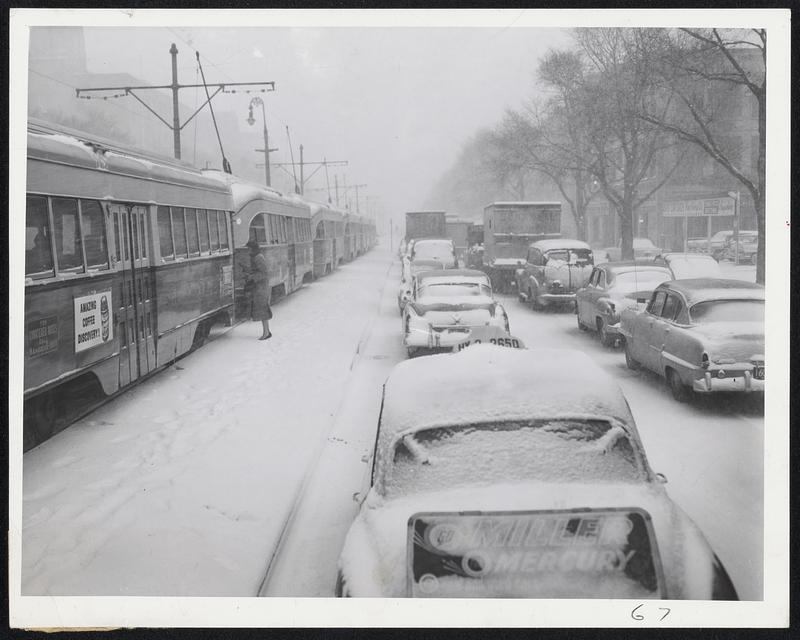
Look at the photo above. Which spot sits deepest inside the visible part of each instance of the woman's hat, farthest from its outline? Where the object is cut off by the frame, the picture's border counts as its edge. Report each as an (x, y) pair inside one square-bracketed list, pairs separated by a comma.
[(252, 244)]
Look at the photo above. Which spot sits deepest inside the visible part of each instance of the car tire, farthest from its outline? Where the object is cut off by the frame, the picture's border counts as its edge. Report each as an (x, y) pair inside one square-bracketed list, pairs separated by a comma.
[(606, 339), (630, 361), (412, 351), (679, 391)]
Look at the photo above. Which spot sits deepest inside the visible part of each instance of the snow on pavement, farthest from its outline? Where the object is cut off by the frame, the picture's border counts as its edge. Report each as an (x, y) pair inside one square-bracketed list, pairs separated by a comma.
[(181, 485)]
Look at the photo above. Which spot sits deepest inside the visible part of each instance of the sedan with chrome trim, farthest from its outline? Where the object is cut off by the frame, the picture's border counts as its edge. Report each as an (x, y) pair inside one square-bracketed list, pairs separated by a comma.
[(444, 306), (702, 335), (509, 473), (612, 287)]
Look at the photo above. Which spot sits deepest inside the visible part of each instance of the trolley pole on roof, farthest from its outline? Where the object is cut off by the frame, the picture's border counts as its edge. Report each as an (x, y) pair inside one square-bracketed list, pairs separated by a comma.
[(176, 125)]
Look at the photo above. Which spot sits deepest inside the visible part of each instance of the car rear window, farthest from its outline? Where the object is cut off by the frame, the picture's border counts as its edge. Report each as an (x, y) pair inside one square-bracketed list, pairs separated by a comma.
[(432, 251), (449, 290), (728, 311), (554, 450), (695, 267)]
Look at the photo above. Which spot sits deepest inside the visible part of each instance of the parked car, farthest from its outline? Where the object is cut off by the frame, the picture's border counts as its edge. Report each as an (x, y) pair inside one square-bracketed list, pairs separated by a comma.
[(445, 305), (553, 271), (703, 335), (612, 287), (506, 473), (684, 266), (748, 248), (429, 251), (643, 249)]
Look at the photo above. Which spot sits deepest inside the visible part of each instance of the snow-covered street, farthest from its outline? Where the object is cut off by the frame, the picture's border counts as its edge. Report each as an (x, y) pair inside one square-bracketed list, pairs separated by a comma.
[(241, 460)]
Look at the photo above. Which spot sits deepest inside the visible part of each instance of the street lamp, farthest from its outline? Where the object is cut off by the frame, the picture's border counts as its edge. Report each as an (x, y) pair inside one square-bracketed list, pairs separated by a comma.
[(251, 121)]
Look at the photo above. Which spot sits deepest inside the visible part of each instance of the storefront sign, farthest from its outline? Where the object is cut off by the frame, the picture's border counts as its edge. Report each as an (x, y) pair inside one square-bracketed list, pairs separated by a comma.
[(93, 324), (724, 206)]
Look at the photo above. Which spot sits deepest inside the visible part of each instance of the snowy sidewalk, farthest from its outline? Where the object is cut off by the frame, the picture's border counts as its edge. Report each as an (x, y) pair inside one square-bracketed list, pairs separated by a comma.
[(182, 485)]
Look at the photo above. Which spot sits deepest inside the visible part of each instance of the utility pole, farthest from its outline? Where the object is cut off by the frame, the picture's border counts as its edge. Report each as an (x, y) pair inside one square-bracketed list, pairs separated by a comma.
[(302, 164), (336, 182), (176, 126), (347, 187), (266, 150)]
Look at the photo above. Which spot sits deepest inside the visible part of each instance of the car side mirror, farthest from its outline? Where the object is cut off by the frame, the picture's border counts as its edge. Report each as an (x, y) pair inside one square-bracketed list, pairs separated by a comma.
[(661, 478)]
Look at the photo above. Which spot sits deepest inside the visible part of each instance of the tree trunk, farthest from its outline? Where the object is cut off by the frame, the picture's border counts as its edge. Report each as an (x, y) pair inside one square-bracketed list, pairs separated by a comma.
[(626, 229), (759, 199)]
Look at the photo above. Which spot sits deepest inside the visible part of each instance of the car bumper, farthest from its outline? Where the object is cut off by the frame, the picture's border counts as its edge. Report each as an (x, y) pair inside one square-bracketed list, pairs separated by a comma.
[(741, 381), (437, 337), (560, 298)]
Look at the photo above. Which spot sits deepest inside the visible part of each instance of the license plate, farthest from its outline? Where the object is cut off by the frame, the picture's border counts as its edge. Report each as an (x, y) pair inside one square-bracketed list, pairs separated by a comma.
[(758, 373), (586, 553)]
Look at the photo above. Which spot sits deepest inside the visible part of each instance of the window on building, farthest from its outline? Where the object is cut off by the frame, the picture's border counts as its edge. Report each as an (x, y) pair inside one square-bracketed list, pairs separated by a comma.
[(202, 224), (93, 226), (179, 231), (67, 232), (165, 234), (191, 232), (38, 252)]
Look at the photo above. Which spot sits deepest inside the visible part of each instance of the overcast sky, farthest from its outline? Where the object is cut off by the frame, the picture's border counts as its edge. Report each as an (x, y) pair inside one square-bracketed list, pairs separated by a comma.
[(396, 103)]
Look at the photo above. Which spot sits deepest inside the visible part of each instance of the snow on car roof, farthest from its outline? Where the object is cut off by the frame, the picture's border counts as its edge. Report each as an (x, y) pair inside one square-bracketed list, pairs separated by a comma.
[(454, 275), (560, 243), (487, 383), (632, 265), (700, 289)]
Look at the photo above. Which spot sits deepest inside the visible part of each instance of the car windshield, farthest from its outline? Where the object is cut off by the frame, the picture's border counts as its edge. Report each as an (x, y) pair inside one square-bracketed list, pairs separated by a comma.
[(544, 450), (728, 311), (640, 279), (433, 251), (570, 256), (695, 267), (453, 290)]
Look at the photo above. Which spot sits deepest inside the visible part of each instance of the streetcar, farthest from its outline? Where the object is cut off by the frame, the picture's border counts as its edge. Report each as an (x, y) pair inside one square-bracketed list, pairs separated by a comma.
[(128, 264), (131, 258), (282, 227), (326, 222)]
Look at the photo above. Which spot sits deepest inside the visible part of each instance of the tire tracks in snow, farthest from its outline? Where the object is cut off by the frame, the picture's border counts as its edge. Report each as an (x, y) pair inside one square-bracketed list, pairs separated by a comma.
[(291, 515)]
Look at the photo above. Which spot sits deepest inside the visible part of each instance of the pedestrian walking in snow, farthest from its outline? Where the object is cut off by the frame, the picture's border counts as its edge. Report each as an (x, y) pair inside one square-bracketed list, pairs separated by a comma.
[(258, 281)]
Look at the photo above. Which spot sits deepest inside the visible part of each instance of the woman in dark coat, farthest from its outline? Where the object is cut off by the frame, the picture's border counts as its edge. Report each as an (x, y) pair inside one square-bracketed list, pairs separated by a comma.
[(258, 281)]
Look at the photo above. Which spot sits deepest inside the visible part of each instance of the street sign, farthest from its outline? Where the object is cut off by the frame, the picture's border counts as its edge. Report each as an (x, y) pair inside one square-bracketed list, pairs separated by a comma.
[(723, 206)]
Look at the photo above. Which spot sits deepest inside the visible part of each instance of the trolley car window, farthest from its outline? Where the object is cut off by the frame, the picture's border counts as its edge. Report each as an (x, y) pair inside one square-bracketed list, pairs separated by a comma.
[(179, 232), (165, 234), (38, 252), (94, 234), (202, 223), (223, 229), (67, 234), (135, 233), (257, 230), (213, 226), (191, 232)]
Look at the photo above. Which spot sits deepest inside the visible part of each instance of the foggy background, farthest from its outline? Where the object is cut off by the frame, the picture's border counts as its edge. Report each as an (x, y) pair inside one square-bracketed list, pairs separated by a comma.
[(398, 104)]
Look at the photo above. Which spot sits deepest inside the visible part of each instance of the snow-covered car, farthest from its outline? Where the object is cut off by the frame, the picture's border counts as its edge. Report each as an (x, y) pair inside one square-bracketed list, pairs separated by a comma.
[(512, 473), (429, 252), (748, 248), (612, 287), (553, 271), (643, 249), (703, 335), (685, 266), (444, 307)]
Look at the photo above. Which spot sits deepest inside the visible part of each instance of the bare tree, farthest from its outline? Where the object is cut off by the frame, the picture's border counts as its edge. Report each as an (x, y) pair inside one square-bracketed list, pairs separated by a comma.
[(623, 150), (696, 66)]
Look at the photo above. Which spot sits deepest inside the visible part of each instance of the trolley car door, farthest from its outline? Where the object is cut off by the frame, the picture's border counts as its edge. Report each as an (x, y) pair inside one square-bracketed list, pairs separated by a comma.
[(291, 255), (136, 315)]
